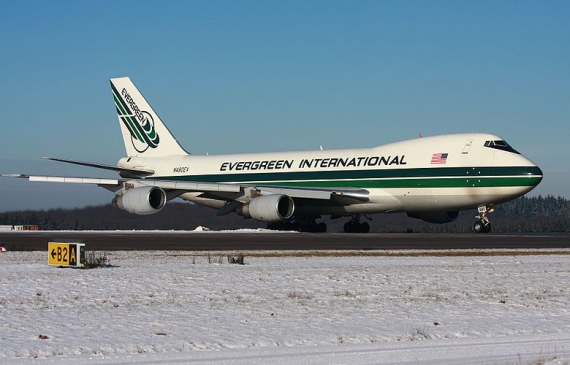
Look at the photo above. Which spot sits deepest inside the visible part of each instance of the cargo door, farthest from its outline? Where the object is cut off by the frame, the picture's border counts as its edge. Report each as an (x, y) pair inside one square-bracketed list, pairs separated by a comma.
[(467, 146)]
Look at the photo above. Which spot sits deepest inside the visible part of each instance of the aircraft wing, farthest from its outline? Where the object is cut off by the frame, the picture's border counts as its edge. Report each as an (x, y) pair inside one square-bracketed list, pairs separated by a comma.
[(345, 196), (66, 179), (116, 184), (222, 191), (342, 196)]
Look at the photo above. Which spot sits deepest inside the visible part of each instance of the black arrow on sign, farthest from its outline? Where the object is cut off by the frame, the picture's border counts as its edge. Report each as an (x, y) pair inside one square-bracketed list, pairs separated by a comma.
[(53, 254)]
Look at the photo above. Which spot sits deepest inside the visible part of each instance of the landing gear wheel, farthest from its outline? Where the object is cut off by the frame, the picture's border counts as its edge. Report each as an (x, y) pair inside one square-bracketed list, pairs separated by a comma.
[(308, 224), (483, 225), (354, 226), (479, 227), (283, 226)]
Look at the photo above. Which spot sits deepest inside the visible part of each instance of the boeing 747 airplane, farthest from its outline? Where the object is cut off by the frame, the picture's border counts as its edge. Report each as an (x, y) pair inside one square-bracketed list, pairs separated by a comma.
[(430, 178)]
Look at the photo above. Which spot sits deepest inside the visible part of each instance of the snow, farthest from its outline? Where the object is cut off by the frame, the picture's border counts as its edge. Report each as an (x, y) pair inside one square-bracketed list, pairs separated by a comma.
[(197, 230), (332, 307)]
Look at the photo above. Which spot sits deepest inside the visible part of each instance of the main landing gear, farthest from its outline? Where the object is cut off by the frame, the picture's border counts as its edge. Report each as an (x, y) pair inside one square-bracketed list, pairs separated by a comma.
[(483, 225), (354, 225), (313, 227), (303, 224)]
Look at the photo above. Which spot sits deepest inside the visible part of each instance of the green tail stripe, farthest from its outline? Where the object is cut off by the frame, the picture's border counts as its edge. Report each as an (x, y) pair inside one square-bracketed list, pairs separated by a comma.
[(132, 127), (120, 107), (143, 133), (120, 102), (145, 137)]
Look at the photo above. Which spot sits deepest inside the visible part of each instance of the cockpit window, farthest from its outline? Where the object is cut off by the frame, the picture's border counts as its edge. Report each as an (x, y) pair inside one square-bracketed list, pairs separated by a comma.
[(501, 145)]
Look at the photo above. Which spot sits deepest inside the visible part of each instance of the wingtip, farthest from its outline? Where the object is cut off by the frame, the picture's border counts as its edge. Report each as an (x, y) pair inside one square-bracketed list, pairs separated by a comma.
[(15, 175)]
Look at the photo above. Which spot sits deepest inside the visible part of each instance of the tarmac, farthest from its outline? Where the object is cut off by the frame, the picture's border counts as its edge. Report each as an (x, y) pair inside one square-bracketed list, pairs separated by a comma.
[(270, 240)]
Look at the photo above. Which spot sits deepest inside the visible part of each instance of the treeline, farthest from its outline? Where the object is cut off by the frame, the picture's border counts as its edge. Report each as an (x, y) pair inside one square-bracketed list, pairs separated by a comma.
[(174, 216), (525, 214)]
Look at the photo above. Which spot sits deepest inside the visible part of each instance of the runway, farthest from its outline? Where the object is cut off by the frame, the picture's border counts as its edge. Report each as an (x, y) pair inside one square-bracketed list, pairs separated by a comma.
[(268, 240)]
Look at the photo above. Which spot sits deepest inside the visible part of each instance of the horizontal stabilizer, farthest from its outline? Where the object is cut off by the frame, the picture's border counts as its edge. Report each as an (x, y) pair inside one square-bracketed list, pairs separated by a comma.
[(65, 179), (123, 171), (74, 180)]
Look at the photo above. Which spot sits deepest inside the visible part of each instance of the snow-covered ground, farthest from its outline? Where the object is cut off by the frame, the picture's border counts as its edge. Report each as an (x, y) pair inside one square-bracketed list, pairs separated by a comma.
[(491, 307)]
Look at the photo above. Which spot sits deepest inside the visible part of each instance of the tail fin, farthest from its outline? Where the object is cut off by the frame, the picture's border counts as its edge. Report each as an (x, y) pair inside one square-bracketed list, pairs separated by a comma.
[(144, 134)]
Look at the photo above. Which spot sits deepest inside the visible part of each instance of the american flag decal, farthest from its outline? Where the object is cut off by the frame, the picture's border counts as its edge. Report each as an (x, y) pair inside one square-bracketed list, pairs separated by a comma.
[(439, 158)]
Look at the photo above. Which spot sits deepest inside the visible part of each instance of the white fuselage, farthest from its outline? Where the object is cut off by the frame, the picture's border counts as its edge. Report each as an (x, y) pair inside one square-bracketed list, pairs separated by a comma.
[(441, 173)]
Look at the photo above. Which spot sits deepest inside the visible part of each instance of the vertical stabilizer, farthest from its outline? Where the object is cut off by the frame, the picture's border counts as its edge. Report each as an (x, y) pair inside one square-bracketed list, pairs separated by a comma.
[(144, 133)]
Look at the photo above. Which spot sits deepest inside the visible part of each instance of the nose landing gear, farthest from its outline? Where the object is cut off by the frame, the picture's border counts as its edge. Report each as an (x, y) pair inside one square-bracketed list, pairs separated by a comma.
[(483, 225)]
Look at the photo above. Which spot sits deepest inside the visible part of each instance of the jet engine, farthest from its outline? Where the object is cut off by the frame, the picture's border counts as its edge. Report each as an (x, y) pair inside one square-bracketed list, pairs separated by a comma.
[(435, 217), (269, 208), (141, 201)]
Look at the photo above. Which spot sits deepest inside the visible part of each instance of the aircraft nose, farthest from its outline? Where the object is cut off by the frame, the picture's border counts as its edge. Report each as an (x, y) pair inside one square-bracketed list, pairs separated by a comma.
[(535, 173)]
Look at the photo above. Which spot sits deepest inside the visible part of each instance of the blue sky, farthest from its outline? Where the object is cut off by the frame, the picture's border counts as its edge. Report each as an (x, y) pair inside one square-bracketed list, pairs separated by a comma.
[(254, 76)]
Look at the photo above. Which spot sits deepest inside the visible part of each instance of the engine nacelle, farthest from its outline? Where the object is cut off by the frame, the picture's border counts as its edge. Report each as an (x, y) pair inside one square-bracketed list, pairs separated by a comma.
[(435, 217), (141, 201), (269, 208)]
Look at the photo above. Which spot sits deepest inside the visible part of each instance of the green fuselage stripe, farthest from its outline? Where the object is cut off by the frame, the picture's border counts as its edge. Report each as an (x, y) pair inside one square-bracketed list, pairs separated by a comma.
[(437, 177), (410, 183)]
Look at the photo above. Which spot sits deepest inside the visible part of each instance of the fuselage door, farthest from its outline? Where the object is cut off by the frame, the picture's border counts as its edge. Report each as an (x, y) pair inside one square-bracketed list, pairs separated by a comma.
[(467, 146)]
